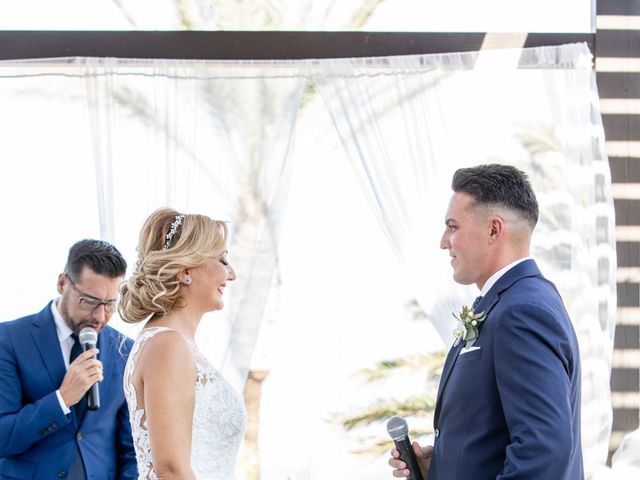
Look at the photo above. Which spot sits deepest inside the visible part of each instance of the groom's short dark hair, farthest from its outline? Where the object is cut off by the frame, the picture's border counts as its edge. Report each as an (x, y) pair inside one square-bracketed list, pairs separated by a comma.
[(100, 256), (502, 185)]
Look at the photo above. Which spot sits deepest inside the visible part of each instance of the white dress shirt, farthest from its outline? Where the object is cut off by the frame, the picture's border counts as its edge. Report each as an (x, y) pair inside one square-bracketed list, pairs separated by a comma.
[(496, 276), (66, 343)]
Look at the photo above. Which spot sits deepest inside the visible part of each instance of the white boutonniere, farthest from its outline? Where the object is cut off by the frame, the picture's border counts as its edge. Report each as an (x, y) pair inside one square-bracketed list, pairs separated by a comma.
[(468, 324)]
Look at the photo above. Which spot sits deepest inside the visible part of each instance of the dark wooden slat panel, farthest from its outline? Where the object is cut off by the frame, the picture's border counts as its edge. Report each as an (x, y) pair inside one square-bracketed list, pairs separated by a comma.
[(624, 169), (627, 337), (618, 43), (250, 45), (627, 212), (628, 294), (618, 84), (621, 127), (625, 380), (617, 7), (628, 254), (626, 419)]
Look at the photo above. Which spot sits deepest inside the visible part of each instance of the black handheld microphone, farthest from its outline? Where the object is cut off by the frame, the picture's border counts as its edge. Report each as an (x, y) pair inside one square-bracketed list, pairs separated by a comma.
[(399, 433), (89, 339)]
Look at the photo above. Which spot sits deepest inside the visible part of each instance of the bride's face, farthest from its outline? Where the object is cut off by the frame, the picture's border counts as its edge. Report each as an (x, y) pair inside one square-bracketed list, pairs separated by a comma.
[(209, 281)]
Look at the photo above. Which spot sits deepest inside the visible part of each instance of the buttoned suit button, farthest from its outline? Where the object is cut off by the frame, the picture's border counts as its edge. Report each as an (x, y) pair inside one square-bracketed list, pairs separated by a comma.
[(437, 432), (62, 474), (79, 436)]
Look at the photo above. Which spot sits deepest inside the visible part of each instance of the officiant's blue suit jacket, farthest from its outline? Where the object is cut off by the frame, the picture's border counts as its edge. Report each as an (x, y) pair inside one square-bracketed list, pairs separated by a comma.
[(509, 407), (37, 440)]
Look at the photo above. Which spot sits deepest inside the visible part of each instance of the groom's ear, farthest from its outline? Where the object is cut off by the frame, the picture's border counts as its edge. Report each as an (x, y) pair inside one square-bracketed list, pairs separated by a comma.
[(496, 227)]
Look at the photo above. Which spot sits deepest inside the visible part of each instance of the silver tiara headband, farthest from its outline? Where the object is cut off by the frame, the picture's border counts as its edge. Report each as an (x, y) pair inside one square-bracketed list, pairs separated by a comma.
[(172, 231)]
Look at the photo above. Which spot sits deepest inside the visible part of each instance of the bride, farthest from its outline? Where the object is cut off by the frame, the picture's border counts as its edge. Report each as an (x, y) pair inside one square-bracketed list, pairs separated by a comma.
[(187, 422)]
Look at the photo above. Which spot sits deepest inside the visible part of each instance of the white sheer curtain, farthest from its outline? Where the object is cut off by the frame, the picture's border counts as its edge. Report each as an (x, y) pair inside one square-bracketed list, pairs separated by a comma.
[(201, 137), (209, 137), (46, 179), (97, 144), (409, 122)]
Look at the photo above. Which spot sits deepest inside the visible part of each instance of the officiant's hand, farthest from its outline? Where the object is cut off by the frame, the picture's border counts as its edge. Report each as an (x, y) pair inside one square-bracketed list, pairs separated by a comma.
[(423, 457), (83, 372)]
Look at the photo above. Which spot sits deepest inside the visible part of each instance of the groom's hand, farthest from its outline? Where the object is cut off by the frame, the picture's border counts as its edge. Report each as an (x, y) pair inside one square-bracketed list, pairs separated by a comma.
[(423, 457), (83, 372)]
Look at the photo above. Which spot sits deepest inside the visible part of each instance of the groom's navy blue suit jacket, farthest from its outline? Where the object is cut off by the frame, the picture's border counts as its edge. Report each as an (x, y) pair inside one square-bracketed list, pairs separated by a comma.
[(510, 408), (37, 440)]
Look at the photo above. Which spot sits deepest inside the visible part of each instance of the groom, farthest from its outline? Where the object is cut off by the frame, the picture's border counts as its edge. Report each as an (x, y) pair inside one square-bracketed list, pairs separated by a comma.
[(508, 403), (46, 431)]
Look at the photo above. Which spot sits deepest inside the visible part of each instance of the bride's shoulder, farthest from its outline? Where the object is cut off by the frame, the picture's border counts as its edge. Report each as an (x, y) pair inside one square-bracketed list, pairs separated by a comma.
[(165, 350)]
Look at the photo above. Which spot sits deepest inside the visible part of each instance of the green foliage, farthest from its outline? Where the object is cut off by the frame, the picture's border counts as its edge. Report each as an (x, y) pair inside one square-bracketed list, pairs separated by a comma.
[(418, 406), (431, 364)]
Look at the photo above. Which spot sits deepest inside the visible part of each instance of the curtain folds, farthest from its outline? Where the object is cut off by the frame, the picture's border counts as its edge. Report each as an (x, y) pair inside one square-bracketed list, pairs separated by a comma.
[(409, 122), (215, 137), (201, 137), (209, 138)]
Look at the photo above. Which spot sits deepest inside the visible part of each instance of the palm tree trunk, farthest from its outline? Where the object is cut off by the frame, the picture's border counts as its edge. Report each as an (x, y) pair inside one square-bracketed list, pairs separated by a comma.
[(252, 396)]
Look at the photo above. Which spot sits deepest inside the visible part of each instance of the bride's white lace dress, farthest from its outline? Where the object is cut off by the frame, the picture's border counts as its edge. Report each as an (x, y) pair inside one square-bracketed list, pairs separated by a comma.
[(219, 418)]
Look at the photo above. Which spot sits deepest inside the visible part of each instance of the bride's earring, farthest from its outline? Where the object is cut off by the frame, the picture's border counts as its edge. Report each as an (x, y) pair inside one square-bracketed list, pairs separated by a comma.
[(186, 280)]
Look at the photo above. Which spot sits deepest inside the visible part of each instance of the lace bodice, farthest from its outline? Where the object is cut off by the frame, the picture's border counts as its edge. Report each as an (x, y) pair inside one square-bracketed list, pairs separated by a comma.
[(219, 418)]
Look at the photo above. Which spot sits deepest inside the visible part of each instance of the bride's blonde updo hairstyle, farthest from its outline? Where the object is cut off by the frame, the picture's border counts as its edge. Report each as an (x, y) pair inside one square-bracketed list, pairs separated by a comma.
[(169, 243)]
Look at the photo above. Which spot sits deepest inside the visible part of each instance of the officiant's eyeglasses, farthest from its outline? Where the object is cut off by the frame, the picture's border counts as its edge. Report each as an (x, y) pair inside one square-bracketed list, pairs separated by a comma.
[(89, 303)]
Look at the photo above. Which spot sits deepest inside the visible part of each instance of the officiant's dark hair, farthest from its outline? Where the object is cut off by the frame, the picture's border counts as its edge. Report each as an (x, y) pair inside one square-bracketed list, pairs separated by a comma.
[(100, 256), (502, 185)]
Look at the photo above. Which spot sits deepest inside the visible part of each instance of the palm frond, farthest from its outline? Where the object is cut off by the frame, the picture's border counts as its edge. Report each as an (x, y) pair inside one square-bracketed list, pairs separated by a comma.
[(417, 406), (363, 12), (415, 310), (379, 445), (125, 12), (431, 363), (139, 106), (185, 16), (537, 138)]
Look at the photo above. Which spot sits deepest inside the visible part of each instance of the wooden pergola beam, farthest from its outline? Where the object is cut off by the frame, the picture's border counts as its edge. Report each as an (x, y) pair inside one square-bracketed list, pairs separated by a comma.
[(251, 45)]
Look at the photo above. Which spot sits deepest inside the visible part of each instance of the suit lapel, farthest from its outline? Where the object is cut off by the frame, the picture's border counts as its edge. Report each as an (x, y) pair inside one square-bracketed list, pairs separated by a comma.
[(446, 371), (43, 332), (103, 356), (485, 305), (524, 269)]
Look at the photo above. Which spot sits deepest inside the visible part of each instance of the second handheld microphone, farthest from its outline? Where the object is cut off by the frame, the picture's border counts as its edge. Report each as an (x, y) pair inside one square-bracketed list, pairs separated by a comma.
[(399, 433)]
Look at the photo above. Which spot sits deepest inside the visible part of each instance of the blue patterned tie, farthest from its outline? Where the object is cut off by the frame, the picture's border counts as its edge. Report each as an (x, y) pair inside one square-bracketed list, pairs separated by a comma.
[(476, 302)]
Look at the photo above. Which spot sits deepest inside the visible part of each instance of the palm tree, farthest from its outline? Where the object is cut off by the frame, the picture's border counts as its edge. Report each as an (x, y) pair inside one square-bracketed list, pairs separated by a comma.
[(418, 407), (254, 204)]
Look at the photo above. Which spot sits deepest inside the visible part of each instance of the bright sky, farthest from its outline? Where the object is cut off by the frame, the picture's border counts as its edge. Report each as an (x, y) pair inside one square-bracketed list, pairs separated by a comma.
[(390, 15)]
